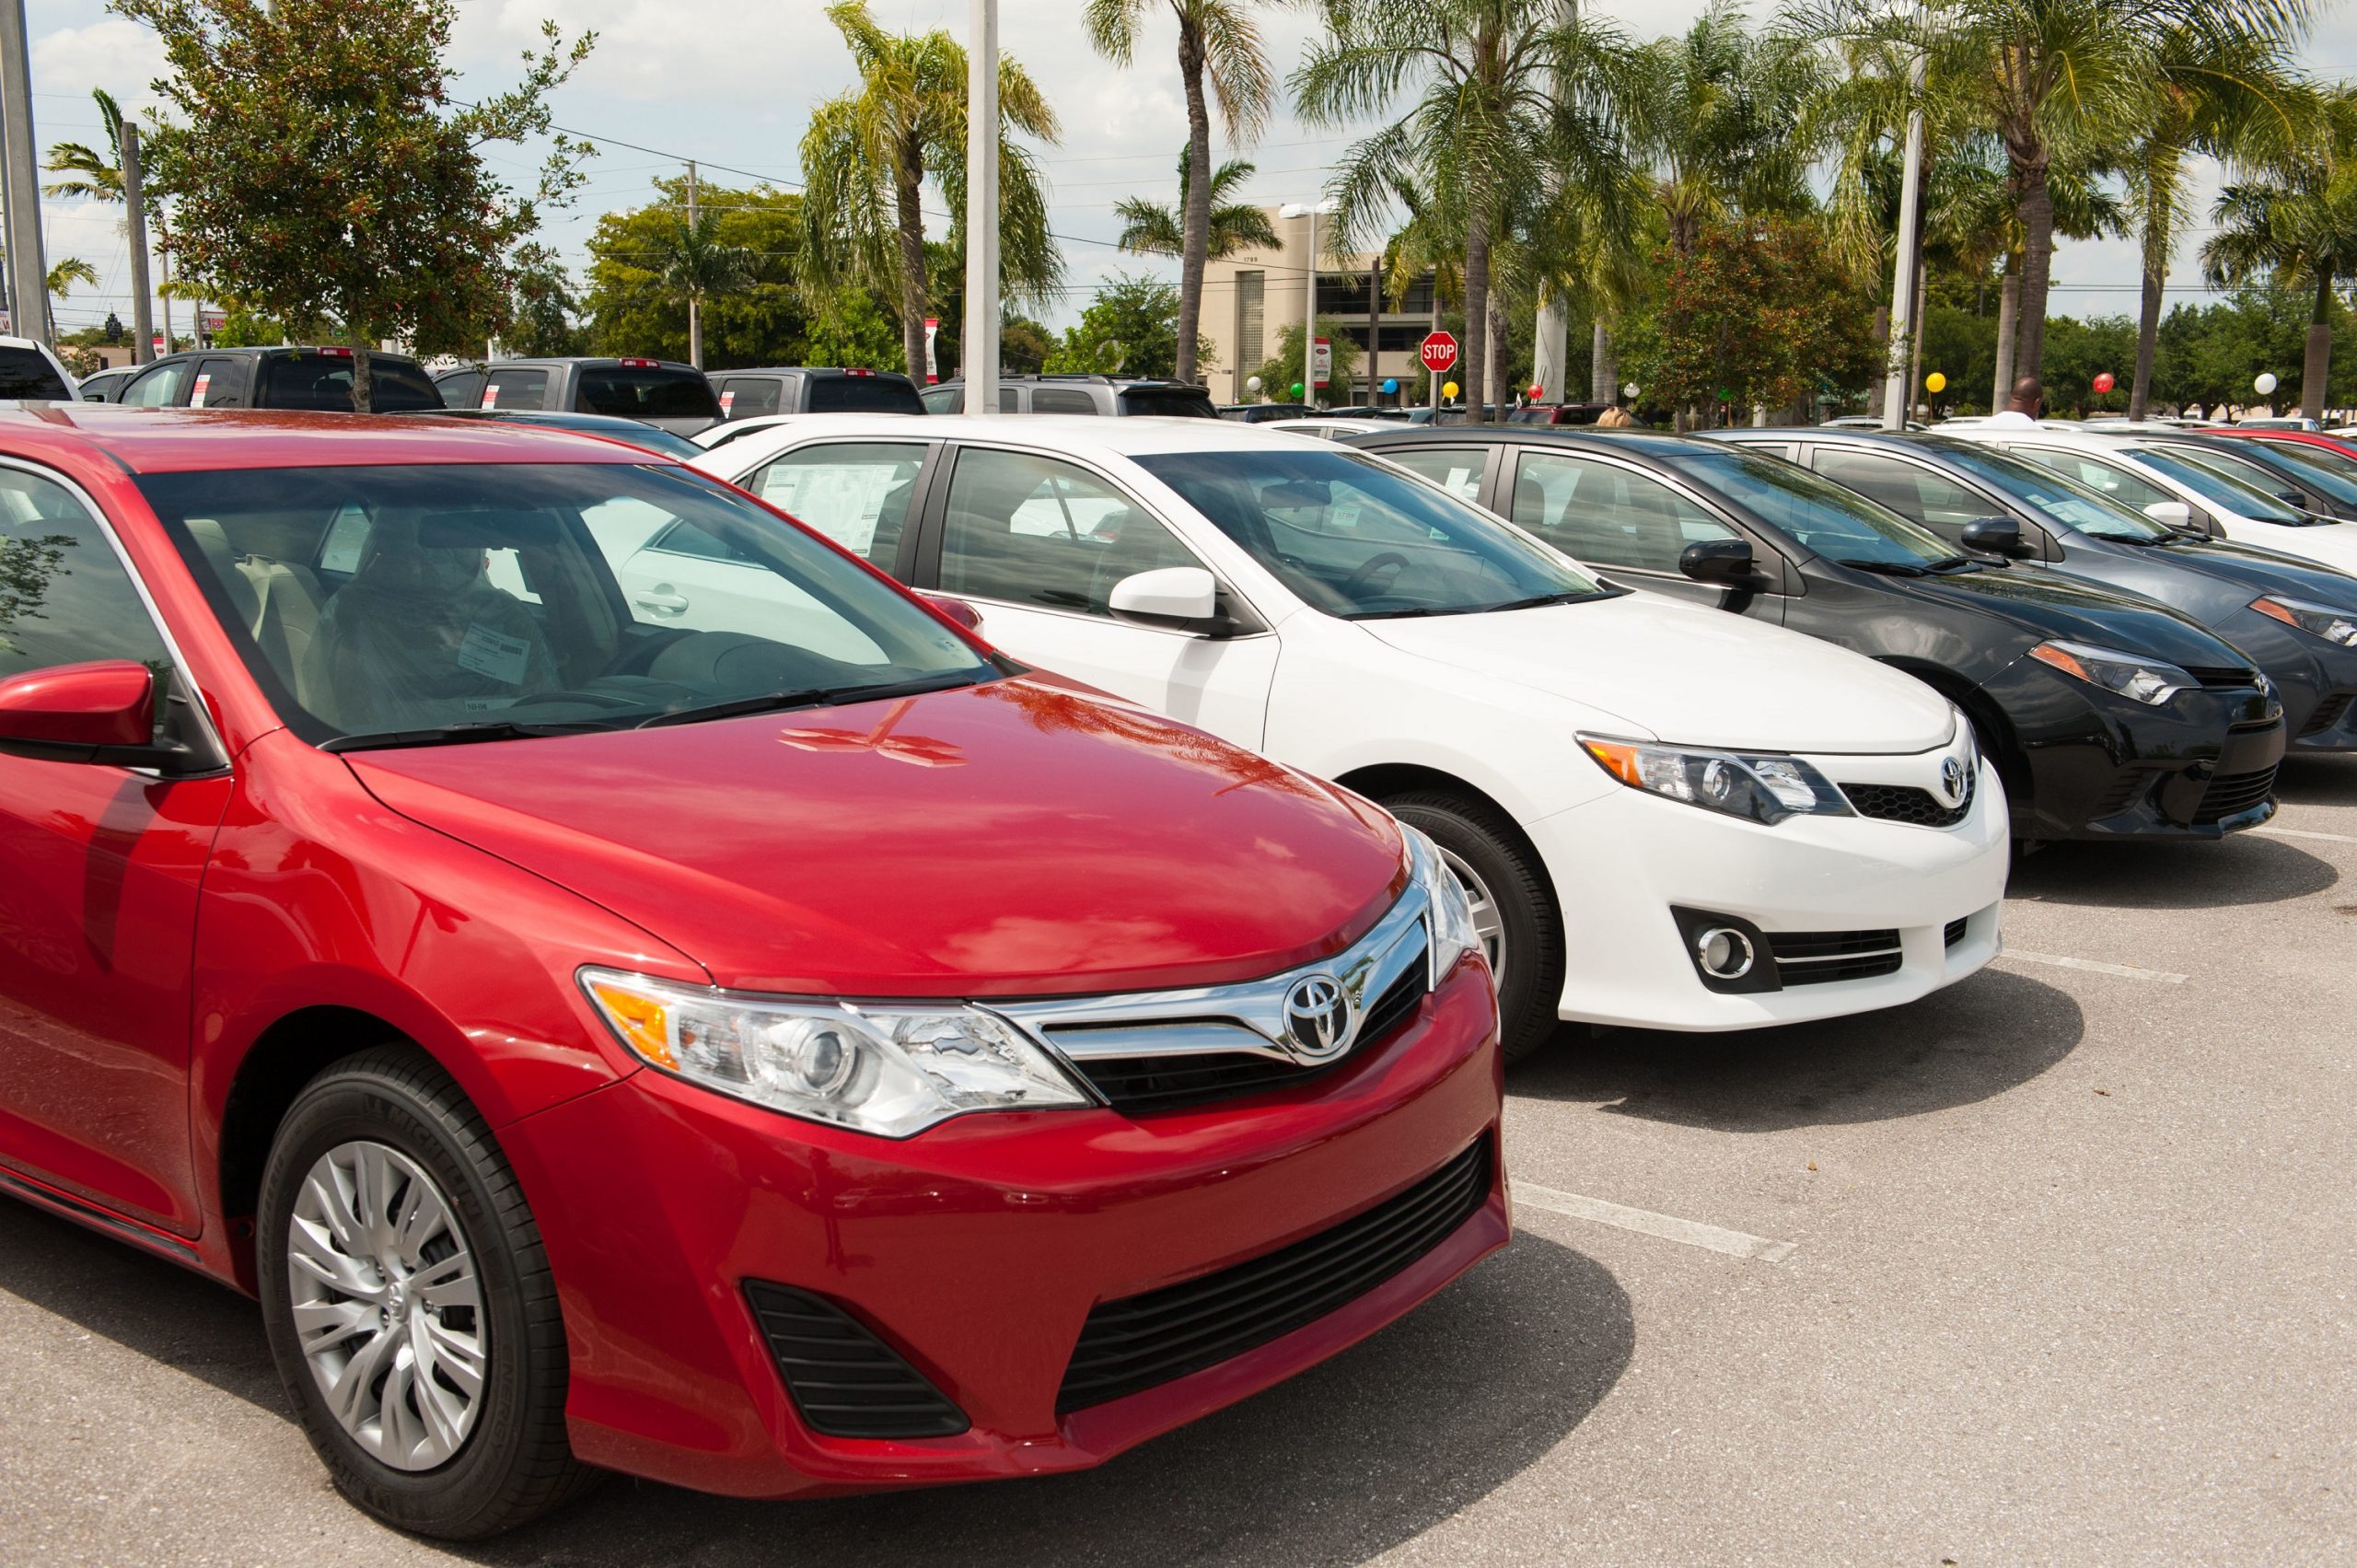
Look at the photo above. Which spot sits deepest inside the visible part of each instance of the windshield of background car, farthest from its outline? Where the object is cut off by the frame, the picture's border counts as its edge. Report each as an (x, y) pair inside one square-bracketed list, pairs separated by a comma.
[(27, 373), (2265, 477), (2062, 501), (2305, 457), (648, 391), (2216, 488), (1835, 522), (1357, 538), (324, 381), (1176, 402), (862, 394), (376, 599)]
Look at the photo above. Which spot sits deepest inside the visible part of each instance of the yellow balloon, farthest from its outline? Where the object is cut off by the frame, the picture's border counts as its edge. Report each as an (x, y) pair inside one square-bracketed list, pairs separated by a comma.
[(1935, 382), (1448, 389)]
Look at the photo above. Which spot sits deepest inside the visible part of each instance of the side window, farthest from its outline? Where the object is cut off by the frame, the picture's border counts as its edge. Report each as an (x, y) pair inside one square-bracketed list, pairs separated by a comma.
[(943, 400), (1032, 531), (68, 598), (1007, 403), (1609, 515), (525, 389), (461, 390), (1456, 469), (744, 397), (158, 386), (1916, 493), (220, 383), (2118, 483), (1062, 399), (857, 496)]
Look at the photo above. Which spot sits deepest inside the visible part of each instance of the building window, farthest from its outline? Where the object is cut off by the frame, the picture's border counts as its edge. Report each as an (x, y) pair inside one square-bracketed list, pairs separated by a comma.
[(1341, 294), (1249, 289)]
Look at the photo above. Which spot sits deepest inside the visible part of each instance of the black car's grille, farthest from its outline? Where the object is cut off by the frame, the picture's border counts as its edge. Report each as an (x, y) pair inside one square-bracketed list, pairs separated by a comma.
[(1141, 1341), (2330, 712), (1821, 958), (2222, 677), (2125, 791), (846, 1381), (1954, 933), (1141, 1085), (1916, 808), (2230, 794)]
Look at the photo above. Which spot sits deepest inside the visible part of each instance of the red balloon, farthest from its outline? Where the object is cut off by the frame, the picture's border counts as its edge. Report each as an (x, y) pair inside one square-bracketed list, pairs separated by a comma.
[(2104, 382), (1535, 390)]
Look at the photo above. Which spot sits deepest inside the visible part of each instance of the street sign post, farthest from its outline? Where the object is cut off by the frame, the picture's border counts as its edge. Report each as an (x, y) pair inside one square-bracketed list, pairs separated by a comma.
[(1438, 352)]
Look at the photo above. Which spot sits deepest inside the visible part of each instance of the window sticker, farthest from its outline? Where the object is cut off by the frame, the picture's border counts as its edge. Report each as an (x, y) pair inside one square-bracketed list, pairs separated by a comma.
[(487, 652), (728, 402), (490, 395), (196, 398)]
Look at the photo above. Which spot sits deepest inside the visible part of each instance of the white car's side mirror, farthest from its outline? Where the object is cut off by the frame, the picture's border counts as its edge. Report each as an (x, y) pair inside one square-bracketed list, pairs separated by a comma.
[(1183, 597), (2170, 513)]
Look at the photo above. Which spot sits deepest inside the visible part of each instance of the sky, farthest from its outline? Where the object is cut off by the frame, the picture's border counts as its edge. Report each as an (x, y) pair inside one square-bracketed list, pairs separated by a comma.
[(731, 84)]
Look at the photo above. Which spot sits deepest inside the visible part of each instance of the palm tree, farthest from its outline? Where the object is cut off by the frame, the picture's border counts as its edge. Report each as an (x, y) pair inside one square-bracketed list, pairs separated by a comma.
[(1720, 116), (868, 153), (71, 271), (1218, 38), (2298, 225), (1149, 228), (2220, 87), (93, 176), (692, 262), (1505, 89)]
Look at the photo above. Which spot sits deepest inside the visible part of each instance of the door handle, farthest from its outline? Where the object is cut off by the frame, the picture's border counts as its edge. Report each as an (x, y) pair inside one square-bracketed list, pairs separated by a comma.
[(663, 602)]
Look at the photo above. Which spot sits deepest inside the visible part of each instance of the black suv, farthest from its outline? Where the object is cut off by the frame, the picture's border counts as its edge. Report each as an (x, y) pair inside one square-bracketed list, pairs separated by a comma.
[(1081, 394), (662, 393), (279, 378), (813, 388)]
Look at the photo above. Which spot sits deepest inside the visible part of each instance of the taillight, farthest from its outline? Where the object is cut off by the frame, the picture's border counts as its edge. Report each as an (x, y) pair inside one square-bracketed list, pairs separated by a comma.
[(639, 363), (859, 372), (338, 353)]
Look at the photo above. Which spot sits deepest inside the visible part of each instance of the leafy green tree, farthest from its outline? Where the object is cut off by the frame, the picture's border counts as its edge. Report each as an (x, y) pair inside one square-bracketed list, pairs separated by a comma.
[(1280, 372), (1129, 328), (544, 317), (1024, 345), (868, 153), (1221, 40), (1149, 228), (634, 306), (1758, 312), (697, 264), (319, 171)]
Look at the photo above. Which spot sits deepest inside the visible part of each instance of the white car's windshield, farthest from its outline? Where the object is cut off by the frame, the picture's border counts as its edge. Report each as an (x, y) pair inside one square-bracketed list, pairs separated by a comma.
[(2216, 488), (2062, 501), (1362, 540), (413, 604)]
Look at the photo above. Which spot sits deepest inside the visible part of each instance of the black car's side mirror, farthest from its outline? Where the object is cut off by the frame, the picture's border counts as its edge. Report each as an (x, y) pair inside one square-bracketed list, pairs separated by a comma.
[(1724, 563), (1995, 536)]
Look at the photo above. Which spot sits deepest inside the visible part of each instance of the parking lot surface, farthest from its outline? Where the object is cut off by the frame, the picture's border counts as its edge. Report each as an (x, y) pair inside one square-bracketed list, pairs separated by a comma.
[(2055, 1266)]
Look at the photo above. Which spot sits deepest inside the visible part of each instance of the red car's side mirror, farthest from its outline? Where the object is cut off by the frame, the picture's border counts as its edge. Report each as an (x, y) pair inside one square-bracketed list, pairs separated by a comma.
[(957, 609), (103, 711)]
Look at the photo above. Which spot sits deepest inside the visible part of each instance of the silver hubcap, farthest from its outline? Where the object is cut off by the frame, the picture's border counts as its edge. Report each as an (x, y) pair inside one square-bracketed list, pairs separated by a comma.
[(1487, 923), (387, 1304)]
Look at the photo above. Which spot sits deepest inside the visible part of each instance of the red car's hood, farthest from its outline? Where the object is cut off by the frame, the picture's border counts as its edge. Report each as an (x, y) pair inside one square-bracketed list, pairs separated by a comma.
[(1003, 839)]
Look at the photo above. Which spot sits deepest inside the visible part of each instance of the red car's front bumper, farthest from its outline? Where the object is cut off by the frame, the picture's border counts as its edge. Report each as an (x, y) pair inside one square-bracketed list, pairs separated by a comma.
[(975, 1250)]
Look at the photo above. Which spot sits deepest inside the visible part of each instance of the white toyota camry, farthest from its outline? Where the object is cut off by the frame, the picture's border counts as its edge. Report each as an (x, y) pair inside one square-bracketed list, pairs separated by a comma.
[(1663, 816)]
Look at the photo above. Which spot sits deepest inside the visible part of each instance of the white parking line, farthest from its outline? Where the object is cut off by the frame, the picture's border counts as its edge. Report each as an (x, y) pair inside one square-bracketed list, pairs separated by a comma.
[(2308, 833), (2126, 971), (1693, 1233)]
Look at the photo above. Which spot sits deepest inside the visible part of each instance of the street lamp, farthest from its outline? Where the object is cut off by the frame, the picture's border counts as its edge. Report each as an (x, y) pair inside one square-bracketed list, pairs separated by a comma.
[(1309, 297), (980, 349)]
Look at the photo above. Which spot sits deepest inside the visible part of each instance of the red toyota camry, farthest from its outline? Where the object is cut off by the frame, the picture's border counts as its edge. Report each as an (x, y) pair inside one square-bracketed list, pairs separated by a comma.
[(627, 986)]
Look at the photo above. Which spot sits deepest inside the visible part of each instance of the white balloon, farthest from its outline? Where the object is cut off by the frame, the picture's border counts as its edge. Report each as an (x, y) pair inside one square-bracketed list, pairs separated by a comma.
[(1629, 391), (1252, 383), (2265, 384)]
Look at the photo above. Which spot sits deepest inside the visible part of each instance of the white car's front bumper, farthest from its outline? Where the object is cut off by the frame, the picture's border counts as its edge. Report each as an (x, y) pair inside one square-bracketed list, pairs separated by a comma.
[(1623, 863)]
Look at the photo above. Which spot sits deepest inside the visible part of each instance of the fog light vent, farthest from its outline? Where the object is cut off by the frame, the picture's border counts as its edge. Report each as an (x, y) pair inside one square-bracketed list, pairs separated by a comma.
[(1724, 953), (846, 1381)]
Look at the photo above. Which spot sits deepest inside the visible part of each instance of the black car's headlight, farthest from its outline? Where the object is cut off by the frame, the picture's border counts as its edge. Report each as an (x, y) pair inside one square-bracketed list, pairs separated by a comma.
[(2317, 620), (2140, 679), (1762, 786)]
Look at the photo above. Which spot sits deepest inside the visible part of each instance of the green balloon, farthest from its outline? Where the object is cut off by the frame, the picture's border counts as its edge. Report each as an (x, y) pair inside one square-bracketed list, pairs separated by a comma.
[(1296, 390)]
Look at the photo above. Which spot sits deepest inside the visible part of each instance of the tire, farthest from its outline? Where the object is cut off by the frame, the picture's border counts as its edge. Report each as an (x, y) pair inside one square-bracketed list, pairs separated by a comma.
[(1479, 840), (390, 1131)]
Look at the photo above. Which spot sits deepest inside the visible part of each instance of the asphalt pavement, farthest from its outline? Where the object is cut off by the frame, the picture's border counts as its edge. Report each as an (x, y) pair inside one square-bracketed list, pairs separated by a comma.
[(2056, 1266)]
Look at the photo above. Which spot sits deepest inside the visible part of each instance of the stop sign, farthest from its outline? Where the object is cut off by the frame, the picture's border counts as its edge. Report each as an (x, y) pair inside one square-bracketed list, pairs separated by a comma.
[(1439, 352)]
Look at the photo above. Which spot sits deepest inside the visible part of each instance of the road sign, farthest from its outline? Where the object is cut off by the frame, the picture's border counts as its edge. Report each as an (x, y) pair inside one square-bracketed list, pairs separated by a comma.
[(1321, 359), (1439, 352)]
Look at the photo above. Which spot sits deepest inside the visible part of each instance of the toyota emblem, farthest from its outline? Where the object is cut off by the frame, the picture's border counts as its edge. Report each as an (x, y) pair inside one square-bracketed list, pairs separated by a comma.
[(1952, 780), (1318, 1018)]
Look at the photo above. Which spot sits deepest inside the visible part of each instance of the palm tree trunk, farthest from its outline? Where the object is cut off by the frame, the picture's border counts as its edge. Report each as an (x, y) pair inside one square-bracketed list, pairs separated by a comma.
[(908, 182), (1877, 385), (2318, 362), (1500, 390), (2148, 339), (1195, 237), (1915, 350), (1600, 388), (2038, 263), (2009, 305), (1477, 309)]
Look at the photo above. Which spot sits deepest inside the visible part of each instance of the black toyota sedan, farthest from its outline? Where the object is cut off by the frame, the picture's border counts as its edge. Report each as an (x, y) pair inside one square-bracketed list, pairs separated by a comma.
[(2109, 715), (2264, 603)]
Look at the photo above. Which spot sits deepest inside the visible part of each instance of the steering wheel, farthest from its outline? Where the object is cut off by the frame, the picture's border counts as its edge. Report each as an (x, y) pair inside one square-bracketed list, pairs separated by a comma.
[(1356, 583)]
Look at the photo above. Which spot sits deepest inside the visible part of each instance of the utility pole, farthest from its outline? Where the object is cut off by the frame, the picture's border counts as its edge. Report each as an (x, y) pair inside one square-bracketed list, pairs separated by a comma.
[(1374, 326), (1896, 394), (1551, 357), (143, 320), (1309, 316), (695, 309), (28, 267), (979, 350)]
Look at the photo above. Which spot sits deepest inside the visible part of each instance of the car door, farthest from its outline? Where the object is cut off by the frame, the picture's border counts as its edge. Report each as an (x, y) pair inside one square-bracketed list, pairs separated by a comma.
[(220, 382), (1921, 493), (1615, 516), (859, 494), (1462, 469), (100, 868), (162, 384), (1036, 544), (2129, 489)]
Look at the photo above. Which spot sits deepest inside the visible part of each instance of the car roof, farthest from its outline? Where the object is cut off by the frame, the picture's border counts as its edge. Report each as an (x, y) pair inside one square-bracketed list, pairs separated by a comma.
[(145, 440), (1651, 442), (1080, 433), (578, 359), (862, 371)]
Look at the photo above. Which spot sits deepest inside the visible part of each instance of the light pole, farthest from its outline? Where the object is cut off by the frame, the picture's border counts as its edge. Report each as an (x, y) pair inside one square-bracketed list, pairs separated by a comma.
[(1308, 296), (980, 347), (1897, 393), (27, 268)]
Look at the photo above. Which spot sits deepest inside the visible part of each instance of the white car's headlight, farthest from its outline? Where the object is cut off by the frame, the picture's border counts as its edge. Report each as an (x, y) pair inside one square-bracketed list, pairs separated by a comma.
[(892, 1069), (1452, 932), (1763, 788), (2149, 680), (2317, 620)]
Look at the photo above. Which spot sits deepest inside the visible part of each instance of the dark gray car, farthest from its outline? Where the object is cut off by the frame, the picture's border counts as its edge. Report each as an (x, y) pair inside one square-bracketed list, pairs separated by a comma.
[(662, 393)]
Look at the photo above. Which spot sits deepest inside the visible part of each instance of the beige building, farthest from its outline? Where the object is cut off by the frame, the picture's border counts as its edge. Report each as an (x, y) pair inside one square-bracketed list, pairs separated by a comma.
[(1251, 298)]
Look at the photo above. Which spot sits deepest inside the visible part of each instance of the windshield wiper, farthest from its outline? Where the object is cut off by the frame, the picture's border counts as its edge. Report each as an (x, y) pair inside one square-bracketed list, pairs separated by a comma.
[(808, 697), (1955, 564), (1569, 596), (459, 734), (1884, 568)]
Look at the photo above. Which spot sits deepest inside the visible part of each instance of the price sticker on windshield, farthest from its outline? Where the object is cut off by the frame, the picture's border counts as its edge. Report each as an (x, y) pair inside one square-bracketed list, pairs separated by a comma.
[(487, 652)]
